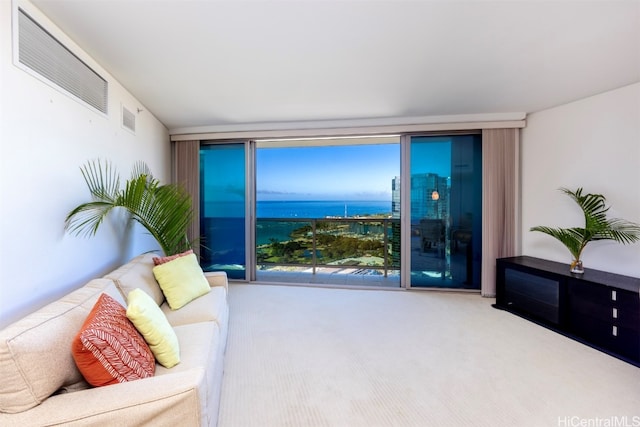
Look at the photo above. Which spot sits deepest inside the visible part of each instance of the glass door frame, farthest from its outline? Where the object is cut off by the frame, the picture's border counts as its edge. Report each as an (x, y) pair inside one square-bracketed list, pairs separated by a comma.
[(249, 200), (250, 210), (405, 211)]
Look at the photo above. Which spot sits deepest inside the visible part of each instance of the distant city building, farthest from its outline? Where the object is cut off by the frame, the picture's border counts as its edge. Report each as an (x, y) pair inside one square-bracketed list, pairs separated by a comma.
[(429, 196), (395, 197)]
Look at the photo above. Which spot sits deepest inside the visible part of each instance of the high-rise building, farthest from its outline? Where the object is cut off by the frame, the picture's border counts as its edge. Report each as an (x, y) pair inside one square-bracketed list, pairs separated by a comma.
[(395, 197), (429, 196)]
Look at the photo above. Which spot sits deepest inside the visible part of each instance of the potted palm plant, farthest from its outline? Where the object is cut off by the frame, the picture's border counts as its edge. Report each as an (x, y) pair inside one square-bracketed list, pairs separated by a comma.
[(165, 211), (597, 227)]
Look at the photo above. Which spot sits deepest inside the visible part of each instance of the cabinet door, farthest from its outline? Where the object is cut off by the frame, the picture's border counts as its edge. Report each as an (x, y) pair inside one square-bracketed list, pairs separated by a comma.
[(532, 294), (590, 299)]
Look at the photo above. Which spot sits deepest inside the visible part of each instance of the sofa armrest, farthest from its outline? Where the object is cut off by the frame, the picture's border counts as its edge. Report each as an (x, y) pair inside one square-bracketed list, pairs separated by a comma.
[(217, 278)]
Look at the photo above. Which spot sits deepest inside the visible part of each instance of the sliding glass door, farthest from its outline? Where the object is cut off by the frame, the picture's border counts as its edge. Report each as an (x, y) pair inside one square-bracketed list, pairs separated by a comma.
[(445, 211), (223, 209), (255, 218)]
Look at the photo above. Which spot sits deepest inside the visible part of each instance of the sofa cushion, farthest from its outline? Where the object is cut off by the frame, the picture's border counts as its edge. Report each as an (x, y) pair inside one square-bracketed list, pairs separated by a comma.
[(166, 259), (202, 351), (138, 273), (108, 349), (211, 307), (151, 322), (35, 360), (181, 280)]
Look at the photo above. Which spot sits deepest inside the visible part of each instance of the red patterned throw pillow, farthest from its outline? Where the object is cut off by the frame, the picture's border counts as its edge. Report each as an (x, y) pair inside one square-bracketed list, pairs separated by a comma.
[(108, 349), (166, 259)]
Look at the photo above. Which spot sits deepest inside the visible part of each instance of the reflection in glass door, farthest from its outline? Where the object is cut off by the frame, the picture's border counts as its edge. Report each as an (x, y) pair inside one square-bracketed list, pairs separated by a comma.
[(446, 209), (222, 209)]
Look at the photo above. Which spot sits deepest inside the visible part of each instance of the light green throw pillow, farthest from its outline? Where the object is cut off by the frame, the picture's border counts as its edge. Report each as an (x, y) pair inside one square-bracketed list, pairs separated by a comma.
[(181, 280), (154, 327)]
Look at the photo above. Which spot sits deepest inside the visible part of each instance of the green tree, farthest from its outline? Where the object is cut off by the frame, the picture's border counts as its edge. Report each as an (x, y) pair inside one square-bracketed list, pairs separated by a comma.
[(277, 248)]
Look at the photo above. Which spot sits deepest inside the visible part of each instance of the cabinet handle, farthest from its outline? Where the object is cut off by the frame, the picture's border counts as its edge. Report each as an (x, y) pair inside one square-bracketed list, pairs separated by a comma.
[(614, 296), (615, 313), (614, 331)]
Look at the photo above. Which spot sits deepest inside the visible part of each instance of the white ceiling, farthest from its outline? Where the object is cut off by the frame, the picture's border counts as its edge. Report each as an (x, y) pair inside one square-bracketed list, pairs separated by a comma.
[(210, 63)]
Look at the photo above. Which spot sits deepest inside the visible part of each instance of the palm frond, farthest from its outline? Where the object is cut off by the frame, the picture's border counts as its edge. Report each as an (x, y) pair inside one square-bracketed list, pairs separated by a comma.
[(572, 238), (85, 219), (103, 181), (619, 230), (141, 168), (597, 225), (165, 211)]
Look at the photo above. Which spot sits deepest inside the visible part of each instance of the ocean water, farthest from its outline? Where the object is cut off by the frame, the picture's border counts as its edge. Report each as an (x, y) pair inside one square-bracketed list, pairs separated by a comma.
[(320, 209), (223, 226)]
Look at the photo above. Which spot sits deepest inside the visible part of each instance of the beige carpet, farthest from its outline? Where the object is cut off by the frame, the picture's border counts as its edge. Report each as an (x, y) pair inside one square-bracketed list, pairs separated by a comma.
[(300, 356)]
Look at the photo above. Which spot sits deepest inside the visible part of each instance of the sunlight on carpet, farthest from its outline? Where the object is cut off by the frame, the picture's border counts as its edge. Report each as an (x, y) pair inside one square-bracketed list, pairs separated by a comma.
[(300, 356)]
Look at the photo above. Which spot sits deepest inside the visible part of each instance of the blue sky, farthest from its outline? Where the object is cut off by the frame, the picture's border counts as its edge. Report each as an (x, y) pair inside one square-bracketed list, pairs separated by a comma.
[(355, 172)]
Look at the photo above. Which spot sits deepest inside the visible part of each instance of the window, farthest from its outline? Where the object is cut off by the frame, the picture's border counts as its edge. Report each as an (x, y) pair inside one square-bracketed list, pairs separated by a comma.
[(325, 207)]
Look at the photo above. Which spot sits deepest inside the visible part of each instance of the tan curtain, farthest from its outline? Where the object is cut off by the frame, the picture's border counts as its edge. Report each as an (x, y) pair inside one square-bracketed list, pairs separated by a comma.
[(500, 201), (186, 171)]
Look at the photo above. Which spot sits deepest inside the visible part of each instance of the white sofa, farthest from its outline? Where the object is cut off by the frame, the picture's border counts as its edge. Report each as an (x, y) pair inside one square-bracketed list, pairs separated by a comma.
[(41, 385)]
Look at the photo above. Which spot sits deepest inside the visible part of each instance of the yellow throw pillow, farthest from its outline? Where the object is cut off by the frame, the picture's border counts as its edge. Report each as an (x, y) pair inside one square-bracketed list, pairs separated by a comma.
[(154, 327), (181, 280)]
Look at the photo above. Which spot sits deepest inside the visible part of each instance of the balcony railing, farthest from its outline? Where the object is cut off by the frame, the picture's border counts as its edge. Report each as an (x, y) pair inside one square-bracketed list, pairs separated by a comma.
[(360, 243)]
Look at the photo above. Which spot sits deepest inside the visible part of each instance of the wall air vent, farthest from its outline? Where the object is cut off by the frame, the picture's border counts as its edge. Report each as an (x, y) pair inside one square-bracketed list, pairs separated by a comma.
[(44, 54), (128, 119)]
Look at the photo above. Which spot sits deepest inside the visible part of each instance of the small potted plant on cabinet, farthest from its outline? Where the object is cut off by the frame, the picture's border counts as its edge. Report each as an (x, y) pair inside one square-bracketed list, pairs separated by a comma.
[(597, 227)]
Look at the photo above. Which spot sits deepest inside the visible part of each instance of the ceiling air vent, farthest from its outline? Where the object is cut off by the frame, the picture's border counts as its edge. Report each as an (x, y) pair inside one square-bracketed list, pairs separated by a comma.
[(128, 120), (44, 54)]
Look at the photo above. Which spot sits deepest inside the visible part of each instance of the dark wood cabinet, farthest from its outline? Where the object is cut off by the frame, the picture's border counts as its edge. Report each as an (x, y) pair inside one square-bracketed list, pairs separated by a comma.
[(597, 308)]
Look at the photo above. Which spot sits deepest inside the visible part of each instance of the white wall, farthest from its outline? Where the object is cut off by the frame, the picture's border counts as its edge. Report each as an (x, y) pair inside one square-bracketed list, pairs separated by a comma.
[(45, 137), (593, 143)]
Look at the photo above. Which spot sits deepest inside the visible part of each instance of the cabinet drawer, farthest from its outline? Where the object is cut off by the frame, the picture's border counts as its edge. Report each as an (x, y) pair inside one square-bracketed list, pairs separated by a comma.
[(626, 308), (618, 339), (630, 301), (626, 318), (626, 344), (601, 302), (604, 294), (621, 316)]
